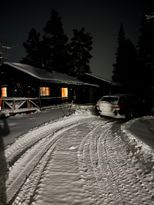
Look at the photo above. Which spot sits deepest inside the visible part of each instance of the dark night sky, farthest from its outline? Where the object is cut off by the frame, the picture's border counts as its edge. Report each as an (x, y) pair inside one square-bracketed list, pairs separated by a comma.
[(101, 18)]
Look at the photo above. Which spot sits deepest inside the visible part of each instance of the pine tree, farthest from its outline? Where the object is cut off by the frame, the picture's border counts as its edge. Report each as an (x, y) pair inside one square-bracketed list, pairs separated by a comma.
[(54, 44), (118, 66), (80, 47), (32, 47), (125, 70), (53, 52), (146, 50)]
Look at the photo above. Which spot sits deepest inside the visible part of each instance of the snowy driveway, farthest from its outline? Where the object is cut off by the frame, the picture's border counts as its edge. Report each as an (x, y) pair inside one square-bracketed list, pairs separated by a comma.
[(77, 160), (22, 123)]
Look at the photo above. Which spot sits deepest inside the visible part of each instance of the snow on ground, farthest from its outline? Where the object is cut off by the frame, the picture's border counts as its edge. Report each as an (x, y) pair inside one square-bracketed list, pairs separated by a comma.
[(139, 134), (136, 131), (34, 145), (84, 159), (37, 133)]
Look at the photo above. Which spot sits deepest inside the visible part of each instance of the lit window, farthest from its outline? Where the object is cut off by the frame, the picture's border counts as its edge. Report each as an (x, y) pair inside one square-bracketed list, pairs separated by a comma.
[(64, 92), (4, 92), (44, 91)]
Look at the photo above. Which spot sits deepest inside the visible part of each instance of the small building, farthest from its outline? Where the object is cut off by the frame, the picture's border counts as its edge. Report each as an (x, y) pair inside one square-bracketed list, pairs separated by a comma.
[(104, 85), (20, 81)]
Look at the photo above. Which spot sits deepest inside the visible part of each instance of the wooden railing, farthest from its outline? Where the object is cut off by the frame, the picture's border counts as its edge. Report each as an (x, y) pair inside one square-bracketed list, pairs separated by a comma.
[(14, 105), (19, 105)]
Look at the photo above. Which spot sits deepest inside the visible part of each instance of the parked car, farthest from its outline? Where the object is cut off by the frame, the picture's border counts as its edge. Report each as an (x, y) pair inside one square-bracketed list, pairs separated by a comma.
[(121, 106)]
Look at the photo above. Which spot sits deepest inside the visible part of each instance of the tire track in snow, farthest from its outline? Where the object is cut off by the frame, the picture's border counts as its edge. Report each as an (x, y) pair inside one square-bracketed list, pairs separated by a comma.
[(88, 163), (62, 183), (25, 142), (111, 192), (20, 172), (108, 189), (108, 173), (83, 163), (129, 184)]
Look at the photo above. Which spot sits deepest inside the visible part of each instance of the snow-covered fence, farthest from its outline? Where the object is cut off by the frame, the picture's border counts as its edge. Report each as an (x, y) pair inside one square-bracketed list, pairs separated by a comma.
[(19, 105), (14, 105)]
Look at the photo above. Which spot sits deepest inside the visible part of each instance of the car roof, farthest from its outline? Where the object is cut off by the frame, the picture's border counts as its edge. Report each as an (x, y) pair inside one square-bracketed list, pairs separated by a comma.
[(118, 95)]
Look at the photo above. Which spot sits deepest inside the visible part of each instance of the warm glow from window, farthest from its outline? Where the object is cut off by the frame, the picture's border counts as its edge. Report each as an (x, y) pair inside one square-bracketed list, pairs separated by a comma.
[(44, 91), (64, 92), (4, 92)]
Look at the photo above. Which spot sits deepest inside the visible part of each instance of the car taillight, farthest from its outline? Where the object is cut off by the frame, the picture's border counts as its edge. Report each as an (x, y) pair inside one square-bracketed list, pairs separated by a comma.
[(115, 106)]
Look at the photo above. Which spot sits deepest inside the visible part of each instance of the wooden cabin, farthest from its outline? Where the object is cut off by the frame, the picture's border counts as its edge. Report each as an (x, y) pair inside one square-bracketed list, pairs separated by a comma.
[(104, 85), (24, 85)]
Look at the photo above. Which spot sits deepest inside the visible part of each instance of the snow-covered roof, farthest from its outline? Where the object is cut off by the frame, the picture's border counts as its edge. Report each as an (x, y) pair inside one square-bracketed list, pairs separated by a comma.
[(98, 77), (149, 16), (54, 77)]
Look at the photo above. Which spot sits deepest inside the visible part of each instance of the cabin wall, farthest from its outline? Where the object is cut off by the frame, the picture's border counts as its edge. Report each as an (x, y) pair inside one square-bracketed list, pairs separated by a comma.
[(86, 94), (19, 84), (102, 89)]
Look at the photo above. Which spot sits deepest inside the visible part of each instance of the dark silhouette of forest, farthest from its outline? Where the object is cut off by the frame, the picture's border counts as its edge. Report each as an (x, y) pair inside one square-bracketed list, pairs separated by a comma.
[(133, 69), (53, 50), (134, 65)]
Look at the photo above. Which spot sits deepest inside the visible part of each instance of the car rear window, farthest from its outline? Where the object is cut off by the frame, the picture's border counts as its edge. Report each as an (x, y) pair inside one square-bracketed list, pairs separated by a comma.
[(110, 99)]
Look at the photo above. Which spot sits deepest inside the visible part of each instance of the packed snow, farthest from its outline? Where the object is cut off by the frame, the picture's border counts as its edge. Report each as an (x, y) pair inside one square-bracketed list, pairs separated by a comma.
[(141, 132), (82, 159)]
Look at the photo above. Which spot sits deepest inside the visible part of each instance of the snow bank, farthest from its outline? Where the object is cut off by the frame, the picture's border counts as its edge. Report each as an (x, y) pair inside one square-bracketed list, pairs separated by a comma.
[(139, 134), (83, 109)]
